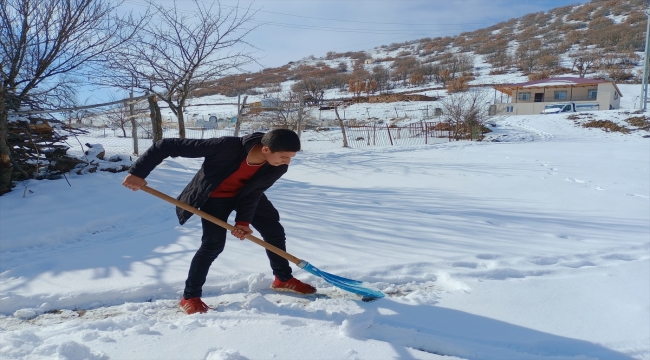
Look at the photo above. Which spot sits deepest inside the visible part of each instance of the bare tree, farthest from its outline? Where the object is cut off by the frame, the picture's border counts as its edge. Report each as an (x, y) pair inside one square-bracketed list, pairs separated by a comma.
[(278, 110), (181, 50), (500, 61), (452, 67), (584, 60), (381, 76), (528, 54), (118, 117), (312, 86), (465, 112), (44, 46)]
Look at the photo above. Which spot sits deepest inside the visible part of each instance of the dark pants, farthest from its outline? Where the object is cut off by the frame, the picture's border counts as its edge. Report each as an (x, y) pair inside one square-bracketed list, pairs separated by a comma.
[(266, 221)]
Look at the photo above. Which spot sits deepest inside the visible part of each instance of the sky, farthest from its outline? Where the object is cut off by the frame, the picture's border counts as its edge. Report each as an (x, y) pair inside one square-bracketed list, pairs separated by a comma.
[(289, 30)]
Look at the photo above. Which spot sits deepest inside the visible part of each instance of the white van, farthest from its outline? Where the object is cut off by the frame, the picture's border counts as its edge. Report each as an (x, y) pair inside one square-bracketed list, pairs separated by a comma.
[(559, 108), (570, 107)]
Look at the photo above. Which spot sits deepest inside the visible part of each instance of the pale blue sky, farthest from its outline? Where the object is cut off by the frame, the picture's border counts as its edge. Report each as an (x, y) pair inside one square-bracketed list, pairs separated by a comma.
[(293, 29)]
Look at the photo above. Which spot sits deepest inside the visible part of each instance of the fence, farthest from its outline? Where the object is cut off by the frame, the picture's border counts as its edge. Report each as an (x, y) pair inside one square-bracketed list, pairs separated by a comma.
[(383, 135), (114, 141)]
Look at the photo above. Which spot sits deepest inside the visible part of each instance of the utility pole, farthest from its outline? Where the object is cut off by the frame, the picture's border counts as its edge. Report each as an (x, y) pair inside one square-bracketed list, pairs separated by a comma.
[(644, 87)]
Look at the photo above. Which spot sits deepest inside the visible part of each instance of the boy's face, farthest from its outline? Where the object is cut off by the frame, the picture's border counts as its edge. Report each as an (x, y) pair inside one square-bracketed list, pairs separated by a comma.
[(277, 158)]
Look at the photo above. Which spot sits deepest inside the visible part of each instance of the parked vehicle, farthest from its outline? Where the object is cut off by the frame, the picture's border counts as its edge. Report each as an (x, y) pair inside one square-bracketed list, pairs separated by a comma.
[(559, 108), (570, 107), (588, 107)]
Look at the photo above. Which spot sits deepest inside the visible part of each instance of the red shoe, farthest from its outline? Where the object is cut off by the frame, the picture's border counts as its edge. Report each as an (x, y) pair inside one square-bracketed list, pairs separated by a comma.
[(293, 285), (193, 305)]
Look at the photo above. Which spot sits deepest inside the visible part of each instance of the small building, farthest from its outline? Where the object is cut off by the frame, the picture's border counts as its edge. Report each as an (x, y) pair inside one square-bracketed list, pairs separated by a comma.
[(533, 96), (212, 123), (369, 61)]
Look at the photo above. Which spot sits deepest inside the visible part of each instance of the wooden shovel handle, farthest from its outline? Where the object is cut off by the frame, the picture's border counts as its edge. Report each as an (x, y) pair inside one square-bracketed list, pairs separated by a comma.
[(221, 223)]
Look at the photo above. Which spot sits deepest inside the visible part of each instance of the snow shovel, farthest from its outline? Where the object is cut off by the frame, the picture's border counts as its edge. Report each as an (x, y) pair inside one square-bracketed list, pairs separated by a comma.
[(353, 286)]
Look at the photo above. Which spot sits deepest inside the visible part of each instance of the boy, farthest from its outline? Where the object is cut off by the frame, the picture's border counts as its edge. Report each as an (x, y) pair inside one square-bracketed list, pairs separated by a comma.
[(234, 175)]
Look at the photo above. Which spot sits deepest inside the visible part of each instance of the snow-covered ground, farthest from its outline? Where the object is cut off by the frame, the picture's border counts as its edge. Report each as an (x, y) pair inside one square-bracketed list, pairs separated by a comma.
[(535, 246)]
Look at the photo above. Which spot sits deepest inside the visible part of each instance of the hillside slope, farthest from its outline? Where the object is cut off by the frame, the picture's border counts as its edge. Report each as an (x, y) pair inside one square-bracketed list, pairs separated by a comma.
[(602, 38)]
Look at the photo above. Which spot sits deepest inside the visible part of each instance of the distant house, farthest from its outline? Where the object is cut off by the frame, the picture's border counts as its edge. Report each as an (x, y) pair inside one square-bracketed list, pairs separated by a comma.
[(212, 123), (533, 96)]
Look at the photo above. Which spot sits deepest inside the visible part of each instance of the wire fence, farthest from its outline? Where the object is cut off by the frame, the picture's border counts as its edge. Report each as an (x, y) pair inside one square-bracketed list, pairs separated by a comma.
[(384, 135), (120, 141)]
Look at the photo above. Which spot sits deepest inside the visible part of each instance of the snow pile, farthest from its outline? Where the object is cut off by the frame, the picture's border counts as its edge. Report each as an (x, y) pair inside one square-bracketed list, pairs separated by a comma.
[(94, 160)]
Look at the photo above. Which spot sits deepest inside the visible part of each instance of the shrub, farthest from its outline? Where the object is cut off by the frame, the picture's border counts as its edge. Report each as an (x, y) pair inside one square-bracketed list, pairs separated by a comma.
[(460, 84), (606, 125), (641, 122), (538, 76), (618, 74)]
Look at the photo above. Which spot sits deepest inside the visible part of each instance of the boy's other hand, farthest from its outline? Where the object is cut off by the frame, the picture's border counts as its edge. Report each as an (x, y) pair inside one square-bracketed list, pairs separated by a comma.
[(133, 182), (241, 232)]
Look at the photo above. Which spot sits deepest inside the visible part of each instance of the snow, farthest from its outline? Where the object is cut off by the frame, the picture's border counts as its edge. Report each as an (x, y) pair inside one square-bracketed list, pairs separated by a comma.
[(533, 244)]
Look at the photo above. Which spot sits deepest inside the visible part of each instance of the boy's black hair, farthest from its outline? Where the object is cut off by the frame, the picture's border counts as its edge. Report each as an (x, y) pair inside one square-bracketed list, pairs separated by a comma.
[(281, 140)]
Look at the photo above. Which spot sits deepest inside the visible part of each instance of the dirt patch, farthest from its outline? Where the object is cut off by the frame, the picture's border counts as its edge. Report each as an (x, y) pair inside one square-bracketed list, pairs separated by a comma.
[(641, 122), (606, 125)]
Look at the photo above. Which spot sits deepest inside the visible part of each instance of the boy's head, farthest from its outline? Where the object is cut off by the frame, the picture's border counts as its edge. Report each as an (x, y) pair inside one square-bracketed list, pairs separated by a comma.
[(281, 140), (279, 146)]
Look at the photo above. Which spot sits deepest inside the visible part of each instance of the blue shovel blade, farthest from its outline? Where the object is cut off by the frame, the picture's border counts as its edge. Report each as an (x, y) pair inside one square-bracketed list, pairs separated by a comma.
[(353, 286)]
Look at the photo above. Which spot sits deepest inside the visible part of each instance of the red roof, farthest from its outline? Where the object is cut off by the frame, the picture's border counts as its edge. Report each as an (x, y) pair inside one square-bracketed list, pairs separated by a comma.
[(566, 80), (555, 82)]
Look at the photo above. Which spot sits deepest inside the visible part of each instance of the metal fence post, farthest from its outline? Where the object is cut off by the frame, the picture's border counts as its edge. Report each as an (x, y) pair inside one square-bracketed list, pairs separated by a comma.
[(374, 134), (426, 132), (389, 136)]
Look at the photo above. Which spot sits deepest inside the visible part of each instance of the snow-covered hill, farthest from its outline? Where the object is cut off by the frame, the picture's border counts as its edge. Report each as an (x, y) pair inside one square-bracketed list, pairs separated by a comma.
[(601, 38), (533, 247)]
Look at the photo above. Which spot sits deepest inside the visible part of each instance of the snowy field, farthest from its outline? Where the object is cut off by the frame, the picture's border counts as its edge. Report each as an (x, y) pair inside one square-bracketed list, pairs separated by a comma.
[(535, 245)]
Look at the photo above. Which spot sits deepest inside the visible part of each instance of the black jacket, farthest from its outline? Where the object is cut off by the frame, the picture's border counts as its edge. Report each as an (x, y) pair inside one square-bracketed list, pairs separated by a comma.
[(222, 158)]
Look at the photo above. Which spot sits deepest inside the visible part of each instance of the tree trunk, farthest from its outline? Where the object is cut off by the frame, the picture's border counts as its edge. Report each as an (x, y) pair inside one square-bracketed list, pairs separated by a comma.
[(181, 121), (345, 137), (156, 118), (134, 125), (6, 168)]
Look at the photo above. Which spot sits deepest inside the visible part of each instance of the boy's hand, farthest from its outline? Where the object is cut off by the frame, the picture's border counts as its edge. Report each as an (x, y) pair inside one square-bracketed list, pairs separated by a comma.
[(241, 232), (133, 182)]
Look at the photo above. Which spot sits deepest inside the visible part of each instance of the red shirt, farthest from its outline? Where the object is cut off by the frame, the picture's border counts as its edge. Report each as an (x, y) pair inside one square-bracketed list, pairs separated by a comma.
[(234, 182)]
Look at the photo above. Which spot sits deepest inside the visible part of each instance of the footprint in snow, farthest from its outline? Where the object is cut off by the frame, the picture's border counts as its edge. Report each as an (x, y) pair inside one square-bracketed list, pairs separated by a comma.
[(578, 264), (637, 195), (624, 257), (465, 264), (575, 180), (487, 256), (507, 273), (293, 323), (544, 260), (224, 354)]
